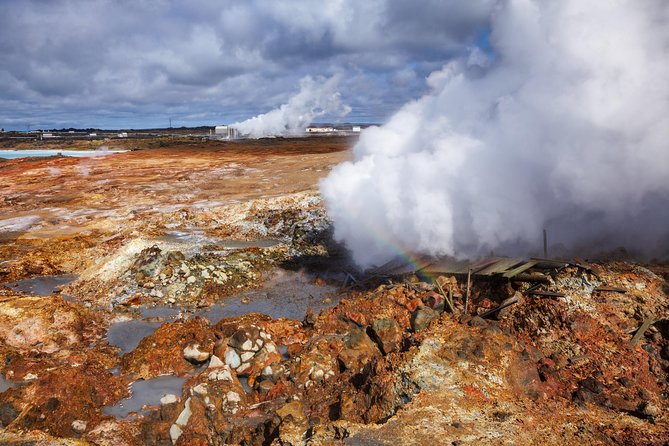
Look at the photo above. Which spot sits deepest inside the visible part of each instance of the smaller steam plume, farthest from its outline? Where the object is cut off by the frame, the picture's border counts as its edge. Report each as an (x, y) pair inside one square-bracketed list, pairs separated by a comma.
[(316, 98)]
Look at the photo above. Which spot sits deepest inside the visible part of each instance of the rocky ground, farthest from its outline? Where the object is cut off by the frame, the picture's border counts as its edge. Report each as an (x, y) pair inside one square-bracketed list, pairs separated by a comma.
[(190, 293)]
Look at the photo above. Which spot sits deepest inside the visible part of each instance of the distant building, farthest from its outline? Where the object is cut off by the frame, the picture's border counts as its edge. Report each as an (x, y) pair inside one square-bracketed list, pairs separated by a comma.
[(226, 131), (123, 135), (356, 129), (321, 130)]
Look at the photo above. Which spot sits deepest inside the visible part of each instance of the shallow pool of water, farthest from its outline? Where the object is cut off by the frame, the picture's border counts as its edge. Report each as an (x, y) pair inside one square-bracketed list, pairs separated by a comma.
[(287, 294), (127, 334), (14, 154), (199, 237), (41, 286), (146, 393), (4, 384)]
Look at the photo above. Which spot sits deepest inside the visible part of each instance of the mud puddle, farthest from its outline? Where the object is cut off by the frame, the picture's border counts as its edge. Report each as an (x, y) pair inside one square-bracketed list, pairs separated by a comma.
[(146, 393), (127, 335), (200, 238), (41, 286), (286, 294), (5, 384)]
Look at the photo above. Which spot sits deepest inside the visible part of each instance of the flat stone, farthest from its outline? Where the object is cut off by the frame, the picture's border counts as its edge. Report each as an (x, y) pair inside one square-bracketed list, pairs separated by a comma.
[(421, 318), (193, 353), (169, 399)]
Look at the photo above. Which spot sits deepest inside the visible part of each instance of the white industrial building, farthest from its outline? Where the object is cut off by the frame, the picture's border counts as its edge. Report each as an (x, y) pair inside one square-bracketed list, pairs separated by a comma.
[(226, 131)]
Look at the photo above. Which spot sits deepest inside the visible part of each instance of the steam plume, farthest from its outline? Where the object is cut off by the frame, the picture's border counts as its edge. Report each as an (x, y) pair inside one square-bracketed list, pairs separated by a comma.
[(316, 98), (564, 127)]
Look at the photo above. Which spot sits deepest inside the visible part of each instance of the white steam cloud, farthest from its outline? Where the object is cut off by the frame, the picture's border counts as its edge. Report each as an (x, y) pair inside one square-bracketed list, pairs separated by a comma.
[(316, 98), (565, 127)]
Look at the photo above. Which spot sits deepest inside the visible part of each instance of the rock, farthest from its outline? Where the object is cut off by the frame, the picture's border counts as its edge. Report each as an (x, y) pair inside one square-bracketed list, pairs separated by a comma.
[(193, 353), (360, 351), (516, 298), (649, 410), (293, 424), (220, 374), (231, 401), (174, 348), (79, 426), (422, 317), (175, 433), (215, 362), (200, 389), (250, 350), (232, 358), (182, 420), (388, 335), (169, 399), (191, 279), (435, 301), (309, 318), (664, 353), (478, 321)]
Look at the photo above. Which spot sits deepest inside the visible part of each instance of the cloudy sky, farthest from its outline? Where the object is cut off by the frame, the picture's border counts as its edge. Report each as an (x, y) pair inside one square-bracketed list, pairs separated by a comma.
[(137, 63)]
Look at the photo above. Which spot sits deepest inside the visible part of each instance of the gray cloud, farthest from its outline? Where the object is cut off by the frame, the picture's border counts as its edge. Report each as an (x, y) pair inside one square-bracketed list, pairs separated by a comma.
[(65, 62)]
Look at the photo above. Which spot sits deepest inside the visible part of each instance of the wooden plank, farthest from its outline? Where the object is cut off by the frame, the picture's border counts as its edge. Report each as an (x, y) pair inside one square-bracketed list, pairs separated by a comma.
[(532, 278), (484, 263), (522, 268), (646, 324), (511, 301), (610, 288), (499, 267), (546, 294), (549, 263), (446, 266)]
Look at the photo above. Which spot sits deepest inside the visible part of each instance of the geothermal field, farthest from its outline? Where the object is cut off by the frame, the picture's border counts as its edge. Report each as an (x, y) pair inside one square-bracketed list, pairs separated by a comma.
[(362, 223), (191, 292)]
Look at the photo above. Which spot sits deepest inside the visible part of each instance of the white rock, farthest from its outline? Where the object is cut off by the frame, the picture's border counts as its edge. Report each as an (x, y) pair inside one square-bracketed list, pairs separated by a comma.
[(184, 416), (317, 375), (200, 389), (79, 426), (270, 347), (193, 353), (246, 356), (247, 345), (221, 374), (175, 433), (215, 362), (243, 367), (169, 399), (30, 377), (267, 371), (191, 279), (232, 358), (233, 397)]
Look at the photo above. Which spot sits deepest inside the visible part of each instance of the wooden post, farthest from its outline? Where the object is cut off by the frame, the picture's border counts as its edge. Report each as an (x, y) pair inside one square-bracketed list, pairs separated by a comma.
[(469, 278)]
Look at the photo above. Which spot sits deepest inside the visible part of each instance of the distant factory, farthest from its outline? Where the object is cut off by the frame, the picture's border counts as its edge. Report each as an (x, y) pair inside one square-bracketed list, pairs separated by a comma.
[(226, 132), (230, 132)]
